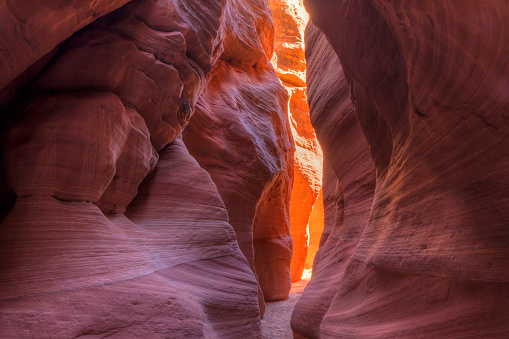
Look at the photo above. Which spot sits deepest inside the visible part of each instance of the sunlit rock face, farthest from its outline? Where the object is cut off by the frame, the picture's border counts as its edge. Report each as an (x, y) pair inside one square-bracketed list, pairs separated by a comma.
[(428, 85), (290, 19), (241, 135), (113, 228), (316, 226)]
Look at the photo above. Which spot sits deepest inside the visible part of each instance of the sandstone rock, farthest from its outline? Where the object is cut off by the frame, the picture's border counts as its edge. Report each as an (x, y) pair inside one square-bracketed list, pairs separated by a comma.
[(32, 34), (161, 71), (151, 274), (245, 156), (346, 202), (45, 153), (159, 47), (96, 256), (30, 30), (307, 181), (427, 88), (240, 134), (316, 226), (290, 20)]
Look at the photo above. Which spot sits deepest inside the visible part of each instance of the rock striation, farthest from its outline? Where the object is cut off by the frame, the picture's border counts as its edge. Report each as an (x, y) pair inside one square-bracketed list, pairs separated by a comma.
[(290, 19), (347, 203), (415, 240), (112, 226), (31, 31), (240, 134)]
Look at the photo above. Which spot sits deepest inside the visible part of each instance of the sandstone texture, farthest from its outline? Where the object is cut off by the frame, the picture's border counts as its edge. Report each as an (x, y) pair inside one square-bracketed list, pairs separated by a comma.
[(240, 134), (347, 163), (109, 226), (30, 30), (415, 189), (290, 19)]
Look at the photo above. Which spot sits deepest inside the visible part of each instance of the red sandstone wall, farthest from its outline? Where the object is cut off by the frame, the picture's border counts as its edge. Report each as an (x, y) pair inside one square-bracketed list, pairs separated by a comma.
[(316, 226), (32, 29), (349, 181), (116, 229), (428, 86), (240, 134)]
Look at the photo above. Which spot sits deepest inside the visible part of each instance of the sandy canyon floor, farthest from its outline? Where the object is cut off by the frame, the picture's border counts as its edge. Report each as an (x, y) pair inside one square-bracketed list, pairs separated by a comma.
[(276, 322)]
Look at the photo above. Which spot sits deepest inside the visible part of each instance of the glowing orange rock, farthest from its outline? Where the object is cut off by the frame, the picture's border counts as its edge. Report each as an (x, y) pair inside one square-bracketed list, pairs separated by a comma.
[(316, 226), (290, 20)]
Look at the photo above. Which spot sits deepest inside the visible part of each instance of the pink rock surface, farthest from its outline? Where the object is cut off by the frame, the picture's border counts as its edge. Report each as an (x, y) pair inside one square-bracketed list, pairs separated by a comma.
[(241, 135), (98, 252), (427, 85), (32, 29), (45, 155), (147, 274), (161, 71), (346, 202)]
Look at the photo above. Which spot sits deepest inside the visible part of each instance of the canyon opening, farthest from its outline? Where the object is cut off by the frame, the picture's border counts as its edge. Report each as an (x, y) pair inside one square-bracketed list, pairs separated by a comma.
[(171, 167)]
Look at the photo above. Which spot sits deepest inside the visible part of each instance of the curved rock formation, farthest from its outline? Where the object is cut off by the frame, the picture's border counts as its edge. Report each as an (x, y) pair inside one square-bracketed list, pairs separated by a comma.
[(31, 30), (428, 85), (147, 274), (347, 203), (116, 230), (290, 20), (240, 134)]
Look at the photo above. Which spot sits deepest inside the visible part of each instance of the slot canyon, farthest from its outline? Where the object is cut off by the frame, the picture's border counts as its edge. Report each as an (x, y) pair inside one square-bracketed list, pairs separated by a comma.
[(171, 167)]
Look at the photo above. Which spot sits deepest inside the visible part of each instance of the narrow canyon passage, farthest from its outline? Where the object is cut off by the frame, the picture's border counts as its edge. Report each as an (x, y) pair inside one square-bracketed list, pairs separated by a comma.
[(254, 169), (306, 204)]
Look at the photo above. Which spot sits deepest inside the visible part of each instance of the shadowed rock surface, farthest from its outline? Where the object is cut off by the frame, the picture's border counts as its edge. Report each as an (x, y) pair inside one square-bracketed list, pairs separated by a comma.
[(33, 29), (347, 203), (428, 256)]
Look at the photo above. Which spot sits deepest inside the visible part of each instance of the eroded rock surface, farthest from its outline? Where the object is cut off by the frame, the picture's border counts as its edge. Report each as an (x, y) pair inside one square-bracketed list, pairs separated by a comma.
[(116, 230), (145, 273), (428, 86), (290, 21), (240, 134), (30, 30), (346, 202)]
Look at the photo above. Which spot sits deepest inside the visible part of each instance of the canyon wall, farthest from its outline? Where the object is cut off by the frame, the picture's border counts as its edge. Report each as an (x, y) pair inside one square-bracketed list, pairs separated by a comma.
[(290, 19), (415, 190), (241, 136), (110, 226), (348, 181)]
